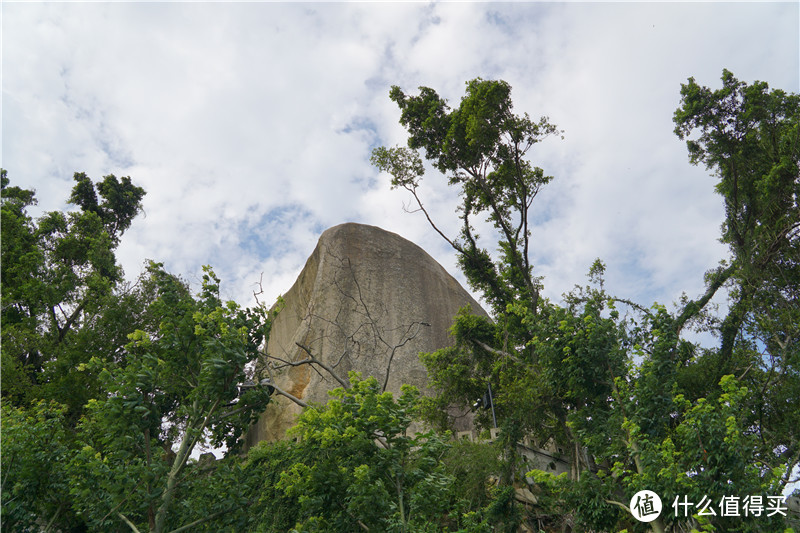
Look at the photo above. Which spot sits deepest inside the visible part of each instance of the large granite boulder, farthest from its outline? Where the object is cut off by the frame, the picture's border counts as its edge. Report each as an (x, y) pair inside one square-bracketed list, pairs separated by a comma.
[(367, 300)]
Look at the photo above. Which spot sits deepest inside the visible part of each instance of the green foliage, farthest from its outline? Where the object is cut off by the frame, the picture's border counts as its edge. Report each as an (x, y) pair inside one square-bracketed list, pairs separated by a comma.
[(36, 447), (215, 497), (273, 510), (59, 275), (711, 445), (62, 303), (109, 387), (749, 136), (614, 383), (178, 390), (363, 466), (120, 201), (174, 386), (481, 146), (357, 466)]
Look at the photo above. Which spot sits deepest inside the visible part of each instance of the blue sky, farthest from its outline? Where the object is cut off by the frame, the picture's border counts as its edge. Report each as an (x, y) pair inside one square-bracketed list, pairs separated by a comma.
[(250, 125)]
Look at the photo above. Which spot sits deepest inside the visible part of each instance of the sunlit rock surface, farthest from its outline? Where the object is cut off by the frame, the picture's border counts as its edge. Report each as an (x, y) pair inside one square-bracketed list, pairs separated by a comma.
[(367, 300)]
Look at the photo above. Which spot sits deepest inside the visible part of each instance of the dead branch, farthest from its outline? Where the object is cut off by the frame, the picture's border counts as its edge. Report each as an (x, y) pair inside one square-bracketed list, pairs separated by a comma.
[(285, 394), (402, 343), (496, 351), (314, 361)]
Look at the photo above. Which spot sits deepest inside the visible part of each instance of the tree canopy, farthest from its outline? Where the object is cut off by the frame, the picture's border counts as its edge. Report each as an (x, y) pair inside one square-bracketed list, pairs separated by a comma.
[(109, 387), (613, 381), (58, 273)]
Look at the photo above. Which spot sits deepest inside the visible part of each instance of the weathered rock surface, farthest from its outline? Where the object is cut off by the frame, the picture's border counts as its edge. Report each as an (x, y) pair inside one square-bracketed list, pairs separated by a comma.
[(367, 300)]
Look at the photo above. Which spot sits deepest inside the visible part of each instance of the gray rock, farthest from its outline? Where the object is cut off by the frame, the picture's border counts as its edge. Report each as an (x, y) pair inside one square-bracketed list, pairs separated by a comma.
[(367, 300)]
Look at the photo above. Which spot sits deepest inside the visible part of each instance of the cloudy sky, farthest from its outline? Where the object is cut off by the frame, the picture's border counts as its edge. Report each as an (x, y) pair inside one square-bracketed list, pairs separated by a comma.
[(250, 125)]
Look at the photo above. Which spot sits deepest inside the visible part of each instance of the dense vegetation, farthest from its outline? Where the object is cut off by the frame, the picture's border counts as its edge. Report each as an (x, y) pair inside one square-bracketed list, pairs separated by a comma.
[(108, 387), (613, 381)]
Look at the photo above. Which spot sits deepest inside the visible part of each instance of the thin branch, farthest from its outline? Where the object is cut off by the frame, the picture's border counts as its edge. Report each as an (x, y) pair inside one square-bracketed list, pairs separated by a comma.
[(314, 360), (285, 363), (125, 519), (618, 504), (8, 470), (53, 520), (495, 351), (123, 500), (394, 349), (201, 520), (232, 413), (260, 289), (55, 323), (285, 394), (71, 319), (746, 370), (636, 306), (413, 191)]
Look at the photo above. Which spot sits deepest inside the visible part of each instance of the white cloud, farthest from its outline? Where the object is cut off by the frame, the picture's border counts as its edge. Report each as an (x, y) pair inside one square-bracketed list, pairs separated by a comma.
[(250, 125)]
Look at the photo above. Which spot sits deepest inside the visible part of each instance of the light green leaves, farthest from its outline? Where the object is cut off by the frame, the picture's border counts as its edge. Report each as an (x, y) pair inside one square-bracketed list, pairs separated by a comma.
[(403, 164)]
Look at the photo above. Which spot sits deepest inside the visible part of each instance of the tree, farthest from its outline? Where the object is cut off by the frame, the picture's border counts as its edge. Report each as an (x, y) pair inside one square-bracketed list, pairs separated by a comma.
[(630, 399), (36, 446), (58, 274), (62, 302), (749, 136), (481, 146), (118, 383), (356, 467), (178, 389)]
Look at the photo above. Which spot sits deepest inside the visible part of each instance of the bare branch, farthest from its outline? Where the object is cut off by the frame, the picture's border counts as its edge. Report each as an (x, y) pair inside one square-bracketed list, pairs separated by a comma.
[(291, 397), (618, 504), (636, 306), (202, 520), (285, 363), (53, 519), (260, 289), (403, 343), (314, 360), (413, 191), (495, 351), (130, 524)]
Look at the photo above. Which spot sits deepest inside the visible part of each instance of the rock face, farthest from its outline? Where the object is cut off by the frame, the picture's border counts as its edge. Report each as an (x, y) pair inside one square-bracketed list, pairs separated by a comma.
[(367, 300)]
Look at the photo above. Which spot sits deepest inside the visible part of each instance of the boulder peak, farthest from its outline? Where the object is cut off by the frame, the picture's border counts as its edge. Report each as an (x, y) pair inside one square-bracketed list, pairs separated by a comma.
[(367, 300)]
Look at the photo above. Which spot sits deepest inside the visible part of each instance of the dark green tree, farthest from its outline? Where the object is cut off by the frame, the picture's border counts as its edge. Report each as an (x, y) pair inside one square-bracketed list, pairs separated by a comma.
[(179, 389), (749, 137), (36, 446), (63, 301), (108, 387), (613, 383), (358, 466), (59, 274)]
